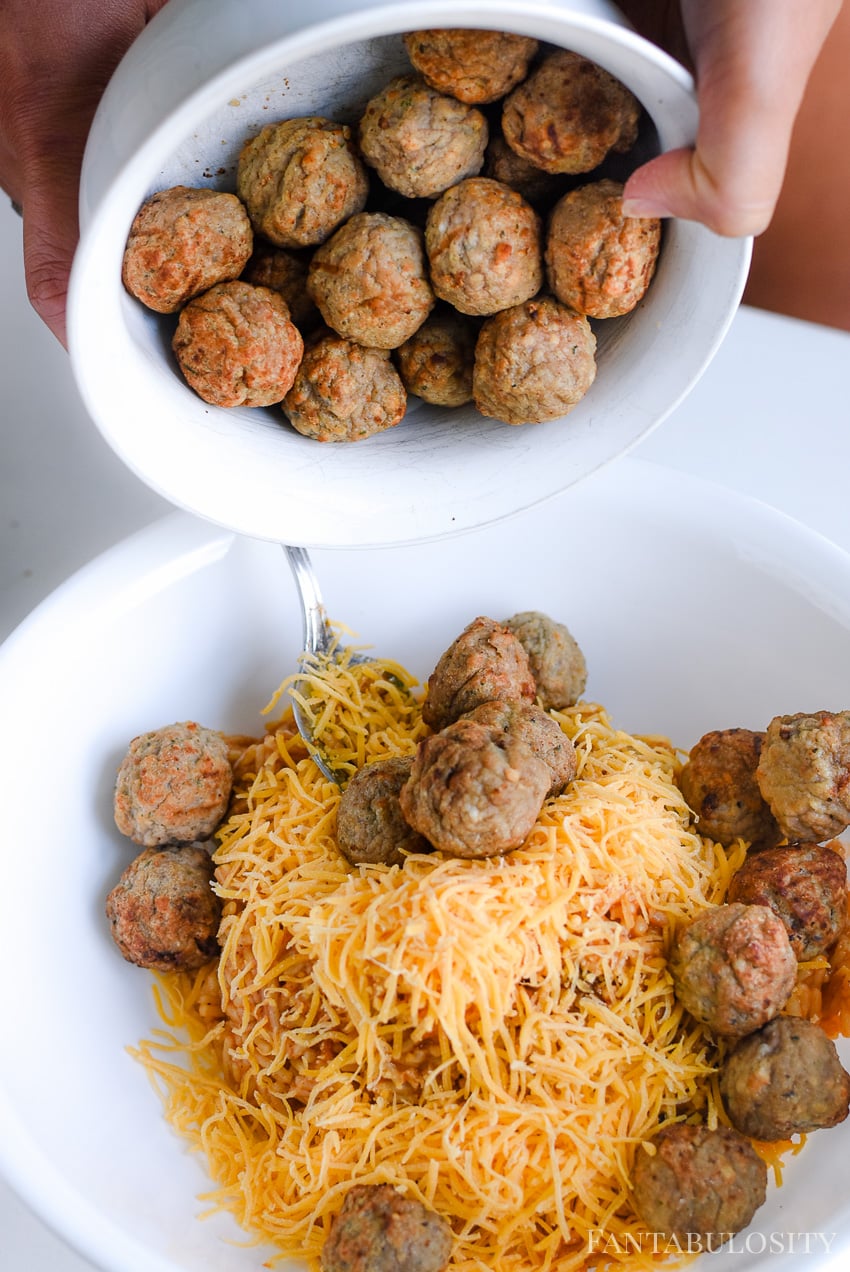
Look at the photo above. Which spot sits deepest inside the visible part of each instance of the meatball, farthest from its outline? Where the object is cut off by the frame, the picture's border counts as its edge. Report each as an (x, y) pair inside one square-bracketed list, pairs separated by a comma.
[(698, 1180), (370, 280), (237, 346), (473, 66), (163, 913), (786, 1079), (556, 661), (598, 261), (719, 785), (370, 825), (804, 774), (344, 392), (284, 272), (533, 362), (173, 785), (569, 114), (300, 179), (475, 791), (505, 165), (419, 141), (530, 723), (484, 247), (805, 885), (486, 661), (436, 362), (733, 968), (380, 1230), (183, 241)]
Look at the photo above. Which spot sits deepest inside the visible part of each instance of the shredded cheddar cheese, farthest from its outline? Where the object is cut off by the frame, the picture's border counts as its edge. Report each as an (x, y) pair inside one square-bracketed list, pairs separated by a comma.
[(496, 1037)]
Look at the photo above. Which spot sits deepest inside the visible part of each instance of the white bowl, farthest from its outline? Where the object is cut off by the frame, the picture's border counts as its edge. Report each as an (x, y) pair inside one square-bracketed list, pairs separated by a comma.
[(686, 587), (204, 76)]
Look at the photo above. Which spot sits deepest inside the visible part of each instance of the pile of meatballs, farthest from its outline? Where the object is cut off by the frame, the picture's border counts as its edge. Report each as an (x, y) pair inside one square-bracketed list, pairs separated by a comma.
[(786, 791), (454, 244)]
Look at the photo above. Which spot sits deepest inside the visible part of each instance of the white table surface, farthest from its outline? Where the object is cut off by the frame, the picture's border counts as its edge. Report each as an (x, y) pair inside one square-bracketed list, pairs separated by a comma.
[(770, 418)]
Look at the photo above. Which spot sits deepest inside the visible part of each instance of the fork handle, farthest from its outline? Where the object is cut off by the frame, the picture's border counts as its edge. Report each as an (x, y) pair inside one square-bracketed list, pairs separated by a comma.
[(314, 619)]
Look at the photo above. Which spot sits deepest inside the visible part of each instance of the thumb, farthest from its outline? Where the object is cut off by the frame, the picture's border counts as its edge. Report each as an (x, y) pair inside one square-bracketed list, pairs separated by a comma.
[(752, 61)]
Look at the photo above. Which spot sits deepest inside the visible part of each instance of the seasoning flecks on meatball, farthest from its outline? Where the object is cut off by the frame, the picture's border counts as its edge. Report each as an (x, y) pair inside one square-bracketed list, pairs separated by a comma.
[(484, 247), (173, 785), (698, 1181), (804, 774), (786, 1079), (719, 784), (486, 661), (284, 271), (300, 179), (183, 241), (474, 66), (533, 362), (475, 791), (378, 1229), (420, 141), (505, 165), (237, 346), (530, 723), (806, 887), (370, 280), (370, 824), (733, 968), (557, 663), (163, 913), (436, 362), (344, 392), (568, 114), (598, 261)]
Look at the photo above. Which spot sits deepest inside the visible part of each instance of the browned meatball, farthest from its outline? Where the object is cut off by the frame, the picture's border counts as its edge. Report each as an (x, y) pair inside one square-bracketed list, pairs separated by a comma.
[(533, 362), (471, 65), (786, 1079), (530, 723), (300, 179), (344, 392), (173, 785), (804, 773), (733, 968), (598, 261), (484, 247), (436, 362), (719, 785), (380, 1230), (370, 825), (183, 241), (285, 272), (505, 165), (556, 661), (805, 885), (474, 791), (420, 141), (237, 346), (699, 1181), (569, 114), (370, 280), (163, 913), (486, 661)]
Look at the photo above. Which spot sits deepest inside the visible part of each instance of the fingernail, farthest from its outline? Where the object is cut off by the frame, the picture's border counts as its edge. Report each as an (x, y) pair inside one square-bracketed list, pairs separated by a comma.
[(644, 208)]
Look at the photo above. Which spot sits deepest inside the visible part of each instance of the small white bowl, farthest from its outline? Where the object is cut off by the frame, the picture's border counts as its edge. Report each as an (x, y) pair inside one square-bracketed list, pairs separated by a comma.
[(207, 74)]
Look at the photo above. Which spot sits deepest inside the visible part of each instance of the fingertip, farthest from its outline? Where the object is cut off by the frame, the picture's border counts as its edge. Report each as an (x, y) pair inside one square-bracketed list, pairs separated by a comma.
[(677, 184)]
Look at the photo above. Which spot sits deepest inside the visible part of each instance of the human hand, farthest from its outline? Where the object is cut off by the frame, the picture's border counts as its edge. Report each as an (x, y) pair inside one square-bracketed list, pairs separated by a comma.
[(752, 59), (57, 58)]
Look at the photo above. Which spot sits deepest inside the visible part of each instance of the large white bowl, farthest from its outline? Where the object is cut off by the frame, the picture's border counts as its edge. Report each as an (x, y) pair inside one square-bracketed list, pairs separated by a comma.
[(696, 609), (204, 76)]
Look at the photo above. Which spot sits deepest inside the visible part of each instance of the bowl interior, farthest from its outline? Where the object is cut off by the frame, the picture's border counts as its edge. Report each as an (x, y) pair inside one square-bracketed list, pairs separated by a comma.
[(438, 472), (682, 585)]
